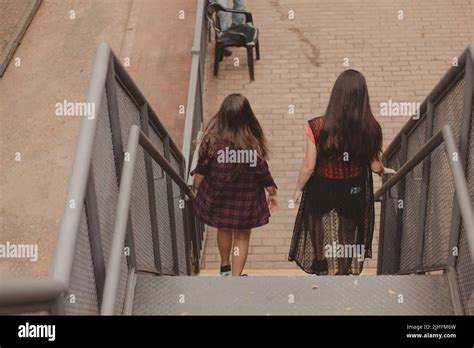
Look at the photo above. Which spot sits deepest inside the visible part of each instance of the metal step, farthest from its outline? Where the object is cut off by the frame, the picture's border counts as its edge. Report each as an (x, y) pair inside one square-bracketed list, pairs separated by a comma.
[(293, 295)]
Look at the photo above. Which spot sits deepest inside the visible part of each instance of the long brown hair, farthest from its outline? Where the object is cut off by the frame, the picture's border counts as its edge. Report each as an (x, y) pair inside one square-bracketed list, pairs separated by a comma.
[(349, 124), (235, 123)]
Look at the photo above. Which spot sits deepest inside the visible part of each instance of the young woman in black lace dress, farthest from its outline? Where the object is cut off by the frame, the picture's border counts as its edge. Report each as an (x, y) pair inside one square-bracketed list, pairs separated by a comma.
[(335, 221)]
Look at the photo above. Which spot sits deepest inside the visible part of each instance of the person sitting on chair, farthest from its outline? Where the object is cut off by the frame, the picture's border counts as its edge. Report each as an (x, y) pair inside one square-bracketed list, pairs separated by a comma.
[(237, 19)]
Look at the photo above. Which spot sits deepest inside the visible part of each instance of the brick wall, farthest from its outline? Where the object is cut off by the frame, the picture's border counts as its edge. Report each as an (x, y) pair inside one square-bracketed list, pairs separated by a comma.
[(402, 60)]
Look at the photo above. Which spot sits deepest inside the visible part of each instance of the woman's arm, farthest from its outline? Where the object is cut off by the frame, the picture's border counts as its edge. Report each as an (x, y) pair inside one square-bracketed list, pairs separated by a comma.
[(307, 168), (378, 167), (197, 181)]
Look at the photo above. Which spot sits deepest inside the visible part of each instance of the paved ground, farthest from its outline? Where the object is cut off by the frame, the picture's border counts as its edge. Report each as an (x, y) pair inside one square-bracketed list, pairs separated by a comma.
[(56, 55), (401, 59), (15, 16)]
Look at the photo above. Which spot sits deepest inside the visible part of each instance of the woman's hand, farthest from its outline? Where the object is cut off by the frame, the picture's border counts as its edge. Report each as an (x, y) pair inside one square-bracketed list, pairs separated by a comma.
[(389, 171), (297, 196), (272, 202)]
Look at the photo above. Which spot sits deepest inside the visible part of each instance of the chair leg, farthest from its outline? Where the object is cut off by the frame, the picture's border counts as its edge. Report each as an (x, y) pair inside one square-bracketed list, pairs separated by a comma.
[(216, 60), (250, 62), (257, 49), (221, 54)]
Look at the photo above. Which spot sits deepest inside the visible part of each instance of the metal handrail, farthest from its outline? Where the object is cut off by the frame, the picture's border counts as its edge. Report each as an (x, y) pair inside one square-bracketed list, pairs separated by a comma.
[(462, 192), (29, 295), (195, 82), (69, 227), (136, 137)]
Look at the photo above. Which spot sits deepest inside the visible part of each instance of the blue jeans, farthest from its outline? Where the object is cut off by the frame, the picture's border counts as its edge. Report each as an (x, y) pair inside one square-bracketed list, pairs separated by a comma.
[(236, 18)]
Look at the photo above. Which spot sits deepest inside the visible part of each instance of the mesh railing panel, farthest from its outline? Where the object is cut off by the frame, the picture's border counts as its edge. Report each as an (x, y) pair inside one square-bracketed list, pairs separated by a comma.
[(465, 274), (82, 296), (179, 221), (105, 177), (139, 205), (140, 212), (162, 212), (411, 204), (390, 264), (122, 288), (464, 264), (441, 185)]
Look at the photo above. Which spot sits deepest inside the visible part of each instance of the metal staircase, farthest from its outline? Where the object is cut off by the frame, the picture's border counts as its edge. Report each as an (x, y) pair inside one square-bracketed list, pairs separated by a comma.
[(130, 244)]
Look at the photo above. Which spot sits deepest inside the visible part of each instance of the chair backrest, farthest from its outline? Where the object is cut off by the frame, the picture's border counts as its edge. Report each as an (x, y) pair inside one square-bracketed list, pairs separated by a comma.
[(211, 13)]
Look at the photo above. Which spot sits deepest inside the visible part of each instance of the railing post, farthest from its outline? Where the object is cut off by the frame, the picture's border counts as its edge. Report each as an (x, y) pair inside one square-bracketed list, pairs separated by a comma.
[(453, 246), (463, 149), (381, 234), (118, 148), (400, 199), (120, 224), (172, 215), (187, 228), (151, 191), (424, 191), (93, 223)]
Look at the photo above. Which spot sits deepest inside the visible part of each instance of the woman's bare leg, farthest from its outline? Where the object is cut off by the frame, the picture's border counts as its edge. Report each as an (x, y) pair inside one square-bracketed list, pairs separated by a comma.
[(224, 243), (240, 251)]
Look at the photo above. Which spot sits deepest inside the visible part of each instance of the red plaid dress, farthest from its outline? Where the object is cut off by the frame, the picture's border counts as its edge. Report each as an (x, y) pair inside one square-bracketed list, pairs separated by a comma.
[(223, 203)]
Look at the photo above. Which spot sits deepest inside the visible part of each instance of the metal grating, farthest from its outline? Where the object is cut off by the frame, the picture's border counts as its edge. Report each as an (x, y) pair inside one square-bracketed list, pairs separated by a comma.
[(411, 212), (390, 237), (82, 287), (441, 186)]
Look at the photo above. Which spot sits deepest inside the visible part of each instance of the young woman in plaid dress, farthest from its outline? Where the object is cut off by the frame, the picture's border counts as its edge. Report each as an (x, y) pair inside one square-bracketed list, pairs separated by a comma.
[(232, 176), (335, 221)]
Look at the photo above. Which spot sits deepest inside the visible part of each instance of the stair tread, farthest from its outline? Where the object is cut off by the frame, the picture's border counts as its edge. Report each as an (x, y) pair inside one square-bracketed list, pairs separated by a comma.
[(271, 295)]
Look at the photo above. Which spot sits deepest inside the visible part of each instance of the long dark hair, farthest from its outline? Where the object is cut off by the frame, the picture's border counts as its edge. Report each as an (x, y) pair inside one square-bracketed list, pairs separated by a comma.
[(349, 125), (235, 124)]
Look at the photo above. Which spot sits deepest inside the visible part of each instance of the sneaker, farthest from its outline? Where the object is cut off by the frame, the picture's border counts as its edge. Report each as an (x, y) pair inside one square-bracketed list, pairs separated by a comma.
[(226, 271)]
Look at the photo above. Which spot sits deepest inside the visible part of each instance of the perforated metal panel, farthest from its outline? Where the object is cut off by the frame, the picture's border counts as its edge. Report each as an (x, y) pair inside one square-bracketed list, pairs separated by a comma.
[(389, 255), (441, 185), (411, 204), (82, 296)]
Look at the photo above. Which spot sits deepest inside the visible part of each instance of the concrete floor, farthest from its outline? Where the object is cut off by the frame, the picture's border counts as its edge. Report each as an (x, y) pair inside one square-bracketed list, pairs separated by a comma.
[(56, 56)]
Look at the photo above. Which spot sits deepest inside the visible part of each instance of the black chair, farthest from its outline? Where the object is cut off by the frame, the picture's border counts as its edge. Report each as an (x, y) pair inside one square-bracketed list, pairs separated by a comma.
[(243, 35)]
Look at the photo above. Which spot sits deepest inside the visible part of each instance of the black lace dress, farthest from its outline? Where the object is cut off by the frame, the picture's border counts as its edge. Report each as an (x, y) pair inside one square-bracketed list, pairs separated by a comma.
[(334, 226)]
